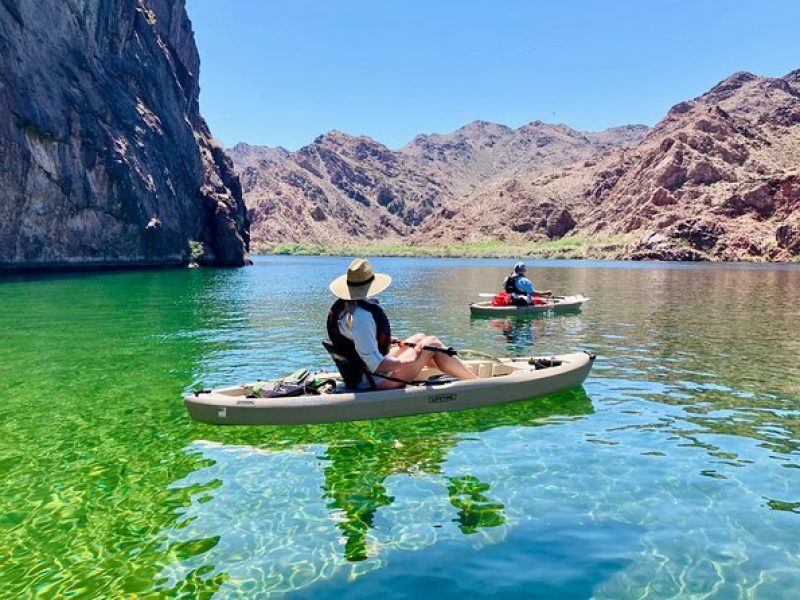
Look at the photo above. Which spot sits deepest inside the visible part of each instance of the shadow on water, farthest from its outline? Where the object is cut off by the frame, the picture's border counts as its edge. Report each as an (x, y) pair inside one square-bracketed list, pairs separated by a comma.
[(282, 508)]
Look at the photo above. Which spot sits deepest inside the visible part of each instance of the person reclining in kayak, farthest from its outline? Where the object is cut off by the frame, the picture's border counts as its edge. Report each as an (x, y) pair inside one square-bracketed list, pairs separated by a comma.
[(521, 288), (360, 333)]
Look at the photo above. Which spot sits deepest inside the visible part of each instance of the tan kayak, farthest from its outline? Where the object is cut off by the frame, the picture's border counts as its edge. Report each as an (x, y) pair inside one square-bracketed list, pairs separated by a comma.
[(504, 380), (560, 304)]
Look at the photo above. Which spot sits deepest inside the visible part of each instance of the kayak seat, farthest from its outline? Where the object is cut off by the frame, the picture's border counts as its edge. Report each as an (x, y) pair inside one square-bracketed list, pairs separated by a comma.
[(342, 365), (341, 361), (329, 347)]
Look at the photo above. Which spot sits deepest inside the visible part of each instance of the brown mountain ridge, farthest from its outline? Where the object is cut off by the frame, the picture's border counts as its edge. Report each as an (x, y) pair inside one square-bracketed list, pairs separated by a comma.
[(716, 179), (342, 187)]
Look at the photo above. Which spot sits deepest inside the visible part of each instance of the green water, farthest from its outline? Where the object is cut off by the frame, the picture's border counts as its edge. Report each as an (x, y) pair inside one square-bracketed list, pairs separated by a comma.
[(674, 471)]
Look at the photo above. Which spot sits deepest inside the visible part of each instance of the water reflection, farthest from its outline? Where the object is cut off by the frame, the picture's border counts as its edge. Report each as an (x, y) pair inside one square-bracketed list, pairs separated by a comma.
[(517, 332), (307, 502), (475, 509), (355, 485), (520, 333)]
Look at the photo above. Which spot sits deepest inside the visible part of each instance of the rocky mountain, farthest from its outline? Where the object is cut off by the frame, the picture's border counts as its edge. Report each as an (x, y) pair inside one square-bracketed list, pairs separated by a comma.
[(342, 187), (104, 158), (334, 189), (718, 177), (482, 151), (532, 207)]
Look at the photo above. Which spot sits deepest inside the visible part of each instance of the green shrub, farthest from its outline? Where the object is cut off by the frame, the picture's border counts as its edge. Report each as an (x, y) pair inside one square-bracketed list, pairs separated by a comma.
[(195, 250)]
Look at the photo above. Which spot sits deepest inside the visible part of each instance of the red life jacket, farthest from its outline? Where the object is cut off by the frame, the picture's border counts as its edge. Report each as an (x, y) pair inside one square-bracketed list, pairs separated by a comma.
[(501, 299), (354, 368)]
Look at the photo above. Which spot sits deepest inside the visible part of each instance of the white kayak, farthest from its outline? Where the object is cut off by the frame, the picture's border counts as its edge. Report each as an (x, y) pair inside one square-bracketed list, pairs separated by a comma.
[(499, 381), (560, 304)]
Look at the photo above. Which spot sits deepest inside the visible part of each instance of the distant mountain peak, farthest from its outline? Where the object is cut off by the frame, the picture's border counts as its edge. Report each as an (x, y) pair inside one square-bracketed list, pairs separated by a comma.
[(793, 76), (340, 138), (242, 147), (482, 125), (732, 83)]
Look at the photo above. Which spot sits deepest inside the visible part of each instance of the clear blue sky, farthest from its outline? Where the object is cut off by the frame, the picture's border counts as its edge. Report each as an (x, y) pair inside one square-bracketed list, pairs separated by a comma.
[(280, 72)]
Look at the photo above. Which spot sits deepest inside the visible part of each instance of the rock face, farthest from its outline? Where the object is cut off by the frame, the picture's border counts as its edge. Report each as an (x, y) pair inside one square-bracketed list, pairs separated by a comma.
[(343, 189), (718, 177), (333, 190), (104, 158)]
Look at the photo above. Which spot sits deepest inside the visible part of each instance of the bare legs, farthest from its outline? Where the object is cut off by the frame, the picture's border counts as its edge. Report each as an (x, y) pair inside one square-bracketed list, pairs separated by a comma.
[(413, 362), (451, 365)]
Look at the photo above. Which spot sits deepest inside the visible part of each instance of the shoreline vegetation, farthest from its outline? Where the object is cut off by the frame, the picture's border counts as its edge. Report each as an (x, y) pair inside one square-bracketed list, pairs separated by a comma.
[(577, 247), (570, 247)]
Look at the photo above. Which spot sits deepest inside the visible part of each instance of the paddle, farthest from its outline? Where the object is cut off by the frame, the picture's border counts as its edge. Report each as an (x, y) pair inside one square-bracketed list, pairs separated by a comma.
[(490, 295), (449, 351)]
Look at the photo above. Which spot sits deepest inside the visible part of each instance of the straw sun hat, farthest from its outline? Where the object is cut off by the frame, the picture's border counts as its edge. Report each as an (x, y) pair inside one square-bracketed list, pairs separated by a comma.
[(359, 282)]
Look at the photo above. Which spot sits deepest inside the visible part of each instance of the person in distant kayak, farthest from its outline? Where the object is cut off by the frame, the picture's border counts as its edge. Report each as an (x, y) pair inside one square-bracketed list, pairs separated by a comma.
[(360, 333), (521, 288)]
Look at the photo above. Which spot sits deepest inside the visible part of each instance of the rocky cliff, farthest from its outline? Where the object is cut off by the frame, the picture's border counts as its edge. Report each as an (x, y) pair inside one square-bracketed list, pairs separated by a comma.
[(343, 188), (718, 178), (104, 158)]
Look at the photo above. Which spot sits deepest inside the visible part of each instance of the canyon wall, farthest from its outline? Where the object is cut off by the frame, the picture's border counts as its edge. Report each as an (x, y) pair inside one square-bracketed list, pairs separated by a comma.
[(105, 160)]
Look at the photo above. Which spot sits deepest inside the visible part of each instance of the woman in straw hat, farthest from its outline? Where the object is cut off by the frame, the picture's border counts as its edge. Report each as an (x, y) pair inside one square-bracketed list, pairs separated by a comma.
[(360, 334)]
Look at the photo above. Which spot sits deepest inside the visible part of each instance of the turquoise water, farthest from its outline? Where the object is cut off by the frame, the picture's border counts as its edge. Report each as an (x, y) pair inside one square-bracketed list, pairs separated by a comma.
[(673, 472)]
